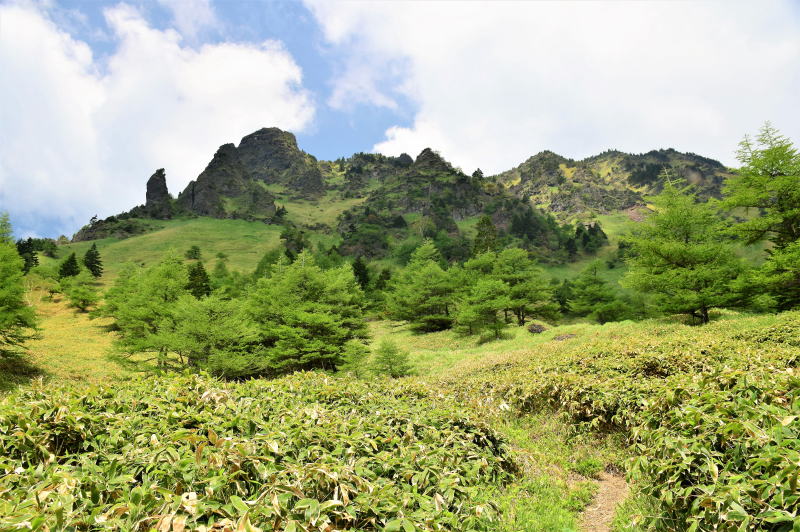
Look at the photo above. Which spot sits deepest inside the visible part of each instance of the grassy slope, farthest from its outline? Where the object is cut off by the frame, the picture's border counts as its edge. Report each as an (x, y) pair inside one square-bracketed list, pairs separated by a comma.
[(244, 242)]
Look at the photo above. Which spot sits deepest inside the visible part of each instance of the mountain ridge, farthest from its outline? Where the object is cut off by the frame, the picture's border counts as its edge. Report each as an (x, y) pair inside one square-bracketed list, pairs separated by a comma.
[(376, 204)]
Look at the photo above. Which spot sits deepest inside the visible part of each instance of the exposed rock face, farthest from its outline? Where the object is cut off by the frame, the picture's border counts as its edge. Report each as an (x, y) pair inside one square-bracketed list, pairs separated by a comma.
[(272, 156), (429, 160), (158, 203), (226, 190)]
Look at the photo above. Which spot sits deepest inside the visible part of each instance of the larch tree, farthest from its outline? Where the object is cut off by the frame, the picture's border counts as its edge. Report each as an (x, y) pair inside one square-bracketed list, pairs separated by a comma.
[(680, 255), (768, 187), (422, 293), (17, 318)]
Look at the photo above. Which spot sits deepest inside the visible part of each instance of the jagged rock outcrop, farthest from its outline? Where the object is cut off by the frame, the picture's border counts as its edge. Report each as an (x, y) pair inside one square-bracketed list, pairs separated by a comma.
[(158, 202), (429, 160), (225, 189), (272, 156)]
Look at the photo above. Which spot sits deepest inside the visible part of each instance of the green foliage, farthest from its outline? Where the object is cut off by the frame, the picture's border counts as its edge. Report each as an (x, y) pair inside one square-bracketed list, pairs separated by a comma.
[(724, 455), (27, 251), (593, 297), (422, 293), (482, 307), (712, 411), (199, 284), (216, 335), (142, 302), (193, 253), (768, 186), (306, 315), (70, 267), (529, 293), (80, 291), (93, 262), (779, 276), (268, 260), (769, 183), (390, 361), (6, 233), (17, 318), (486, 237), (679, 254), (361, 272), (307, 452)]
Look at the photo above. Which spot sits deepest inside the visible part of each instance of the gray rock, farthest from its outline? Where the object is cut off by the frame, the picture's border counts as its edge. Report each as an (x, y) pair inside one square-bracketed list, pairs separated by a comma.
[(158, 202), (271, 155)]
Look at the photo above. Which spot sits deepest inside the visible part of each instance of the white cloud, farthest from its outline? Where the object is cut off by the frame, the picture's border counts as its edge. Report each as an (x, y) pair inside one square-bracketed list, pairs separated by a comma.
[(191, 16), (496, 82), (79, 137)]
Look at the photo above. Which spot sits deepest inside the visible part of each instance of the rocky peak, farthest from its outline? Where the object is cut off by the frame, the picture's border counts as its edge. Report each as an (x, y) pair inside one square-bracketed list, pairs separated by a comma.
[(271, 155), (225, 189), (268, 149), (158, 202), (430, 160)]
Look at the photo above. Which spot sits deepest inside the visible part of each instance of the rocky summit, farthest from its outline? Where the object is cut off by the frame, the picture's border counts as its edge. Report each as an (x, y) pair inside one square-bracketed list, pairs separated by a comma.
[(158, 202), (372, 204), (225, 189)]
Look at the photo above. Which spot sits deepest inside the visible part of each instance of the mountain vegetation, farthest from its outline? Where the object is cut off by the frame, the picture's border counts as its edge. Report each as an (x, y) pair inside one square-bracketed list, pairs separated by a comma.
[(388, 343)]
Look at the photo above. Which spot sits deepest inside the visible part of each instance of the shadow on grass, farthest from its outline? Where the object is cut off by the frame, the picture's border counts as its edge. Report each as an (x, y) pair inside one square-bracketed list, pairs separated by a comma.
[(16, 370)]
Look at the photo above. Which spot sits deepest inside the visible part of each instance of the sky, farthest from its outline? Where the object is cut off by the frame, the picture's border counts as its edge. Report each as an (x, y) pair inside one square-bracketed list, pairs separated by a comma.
[(96, 95)]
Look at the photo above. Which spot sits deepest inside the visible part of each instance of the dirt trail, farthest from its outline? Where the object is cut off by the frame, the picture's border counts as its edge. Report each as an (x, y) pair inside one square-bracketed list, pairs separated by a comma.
[(598, 515)]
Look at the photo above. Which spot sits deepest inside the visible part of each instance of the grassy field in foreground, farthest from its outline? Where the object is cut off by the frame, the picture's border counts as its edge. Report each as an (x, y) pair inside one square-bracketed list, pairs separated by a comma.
[(650, 398)]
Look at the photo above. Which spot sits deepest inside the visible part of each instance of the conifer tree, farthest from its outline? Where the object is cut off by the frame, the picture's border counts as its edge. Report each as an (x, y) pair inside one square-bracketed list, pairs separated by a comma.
[(199, 284), (17, 318), (193, 253), (80, 291), (361, 272), (768, 186), (306, 317), (93, 262), (594, 297), (529, 293), (768, 183), (422, 293), (6, 234), (680, 255), (26, 250), (482, 307), (391, 361), (142, 301), (69, 268), (486, 238), (216, 335)]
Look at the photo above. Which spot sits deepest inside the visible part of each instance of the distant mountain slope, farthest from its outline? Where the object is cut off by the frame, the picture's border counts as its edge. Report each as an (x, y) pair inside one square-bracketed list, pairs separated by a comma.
[(380, 207), (609, 182)]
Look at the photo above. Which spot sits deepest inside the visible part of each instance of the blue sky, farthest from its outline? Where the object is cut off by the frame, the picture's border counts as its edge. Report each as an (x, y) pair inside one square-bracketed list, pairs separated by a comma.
[(98, 94), (335, 132)]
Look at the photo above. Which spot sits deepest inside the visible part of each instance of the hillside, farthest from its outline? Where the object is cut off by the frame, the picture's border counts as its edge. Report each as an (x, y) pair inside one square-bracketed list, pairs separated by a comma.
[(381, 207), (610, 182)]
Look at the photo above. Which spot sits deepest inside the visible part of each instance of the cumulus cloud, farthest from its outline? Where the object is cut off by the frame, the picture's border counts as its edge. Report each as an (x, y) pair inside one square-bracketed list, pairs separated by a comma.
[(495, 82), (80, 135), (191, 16)]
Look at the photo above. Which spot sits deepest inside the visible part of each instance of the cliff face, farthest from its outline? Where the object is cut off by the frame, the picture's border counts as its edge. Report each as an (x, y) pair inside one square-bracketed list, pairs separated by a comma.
[(225, 189), (158, 203), (272, 156)]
